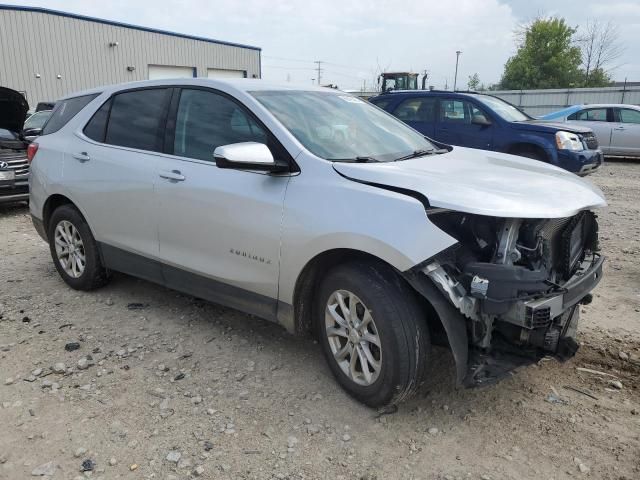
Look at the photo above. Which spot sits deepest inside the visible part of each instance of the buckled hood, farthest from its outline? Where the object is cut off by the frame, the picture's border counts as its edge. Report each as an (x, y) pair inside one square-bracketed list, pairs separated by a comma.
[(484, 183), (13, 110)]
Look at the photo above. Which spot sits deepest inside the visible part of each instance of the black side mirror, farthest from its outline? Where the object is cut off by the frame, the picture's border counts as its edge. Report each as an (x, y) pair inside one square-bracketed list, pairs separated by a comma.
[(481, 120)]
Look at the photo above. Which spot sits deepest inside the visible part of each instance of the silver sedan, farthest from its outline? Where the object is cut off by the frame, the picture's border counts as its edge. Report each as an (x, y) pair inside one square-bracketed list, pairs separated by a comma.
[(617, 126)]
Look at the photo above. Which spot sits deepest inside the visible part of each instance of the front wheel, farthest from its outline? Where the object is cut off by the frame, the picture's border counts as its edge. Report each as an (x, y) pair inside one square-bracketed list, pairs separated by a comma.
[(373, 333), (74, 250)]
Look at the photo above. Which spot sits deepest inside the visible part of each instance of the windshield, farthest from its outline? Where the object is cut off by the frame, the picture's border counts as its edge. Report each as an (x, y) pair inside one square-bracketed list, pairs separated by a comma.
[(37, 120), (506, 111), (341, 127)]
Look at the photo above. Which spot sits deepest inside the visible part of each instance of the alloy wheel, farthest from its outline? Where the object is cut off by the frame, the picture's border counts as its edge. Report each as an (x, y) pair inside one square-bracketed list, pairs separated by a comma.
[(353, 337), (70, 249)]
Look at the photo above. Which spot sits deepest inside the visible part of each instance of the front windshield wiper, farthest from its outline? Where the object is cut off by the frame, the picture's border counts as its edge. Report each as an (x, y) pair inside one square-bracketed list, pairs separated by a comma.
[(422, 153), (362, 159)]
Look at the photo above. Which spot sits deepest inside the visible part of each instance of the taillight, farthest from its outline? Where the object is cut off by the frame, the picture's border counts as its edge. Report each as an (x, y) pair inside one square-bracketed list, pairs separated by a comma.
[(32, 149)]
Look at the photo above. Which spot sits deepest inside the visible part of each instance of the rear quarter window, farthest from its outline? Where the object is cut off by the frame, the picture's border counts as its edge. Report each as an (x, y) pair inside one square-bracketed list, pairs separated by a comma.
[(64, 111)]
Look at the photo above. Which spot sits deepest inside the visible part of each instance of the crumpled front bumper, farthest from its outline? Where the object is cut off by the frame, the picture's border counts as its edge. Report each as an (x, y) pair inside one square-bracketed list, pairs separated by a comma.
[(524, 332), (546, 326)]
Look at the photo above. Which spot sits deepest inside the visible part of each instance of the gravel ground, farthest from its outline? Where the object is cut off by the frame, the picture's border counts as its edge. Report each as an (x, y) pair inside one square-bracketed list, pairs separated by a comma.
[(161, 385)]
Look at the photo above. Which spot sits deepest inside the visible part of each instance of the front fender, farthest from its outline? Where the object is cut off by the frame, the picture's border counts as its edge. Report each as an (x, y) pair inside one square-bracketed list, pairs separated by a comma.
[(453, 322)]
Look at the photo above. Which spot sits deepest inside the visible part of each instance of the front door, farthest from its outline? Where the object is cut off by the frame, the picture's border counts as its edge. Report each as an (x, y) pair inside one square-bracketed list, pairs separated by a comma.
[(219, 229), (625, 136), (456, 127)]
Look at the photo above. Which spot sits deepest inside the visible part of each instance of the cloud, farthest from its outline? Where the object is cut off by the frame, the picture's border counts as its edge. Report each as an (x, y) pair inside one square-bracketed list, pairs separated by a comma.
[(353, 38)]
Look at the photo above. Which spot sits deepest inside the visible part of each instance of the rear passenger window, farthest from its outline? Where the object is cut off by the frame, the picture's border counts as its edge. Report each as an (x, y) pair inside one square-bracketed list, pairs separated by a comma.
[(64, 111), (629, 116), (206, 120), (137, 119), (97, 126), (417, 110)]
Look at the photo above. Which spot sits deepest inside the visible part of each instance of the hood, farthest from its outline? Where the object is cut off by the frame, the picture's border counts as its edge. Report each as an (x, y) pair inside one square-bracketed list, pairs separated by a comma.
[(13, 109), (484, 183), (550, 127)]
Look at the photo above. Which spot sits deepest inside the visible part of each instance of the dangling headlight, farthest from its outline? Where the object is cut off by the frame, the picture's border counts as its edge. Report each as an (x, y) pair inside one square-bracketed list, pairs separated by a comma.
[(568, 141)]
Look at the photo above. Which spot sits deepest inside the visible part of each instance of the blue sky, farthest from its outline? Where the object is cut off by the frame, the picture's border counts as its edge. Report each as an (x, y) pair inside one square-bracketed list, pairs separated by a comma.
[(357, 39)]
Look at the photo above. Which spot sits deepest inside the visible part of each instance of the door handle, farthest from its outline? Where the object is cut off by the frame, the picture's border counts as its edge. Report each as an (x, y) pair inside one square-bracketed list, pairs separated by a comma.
[(173, 175), (619, 128), (82, 157)]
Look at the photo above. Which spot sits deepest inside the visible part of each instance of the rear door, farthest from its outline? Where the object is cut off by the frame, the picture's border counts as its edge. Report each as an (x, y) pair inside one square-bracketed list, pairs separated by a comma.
[(455, 125), (600, 121), (625, 135), (110, 170), (219, 228), (418, 113)]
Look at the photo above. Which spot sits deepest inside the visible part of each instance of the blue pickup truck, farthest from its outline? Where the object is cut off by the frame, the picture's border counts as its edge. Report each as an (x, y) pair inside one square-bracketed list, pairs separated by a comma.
[(475, 120)]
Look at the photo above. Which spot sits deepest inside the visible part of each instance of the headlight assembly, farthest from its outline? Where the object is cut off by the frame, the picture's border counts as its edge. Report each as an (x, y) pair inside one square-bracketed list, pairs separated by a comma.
[(568, 141)]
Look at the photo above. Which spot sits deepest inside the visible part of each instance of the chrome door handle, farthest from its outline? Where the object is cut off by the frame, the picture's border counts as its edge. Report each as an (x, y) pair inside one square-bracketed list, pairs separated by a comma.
[(173, 175), (82, 157)]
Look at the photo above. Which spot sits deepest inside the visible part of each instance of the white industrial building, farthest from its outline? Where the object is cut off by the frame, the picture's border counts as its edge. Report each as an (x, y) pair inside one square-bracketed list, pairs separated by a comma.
[(46, 54)]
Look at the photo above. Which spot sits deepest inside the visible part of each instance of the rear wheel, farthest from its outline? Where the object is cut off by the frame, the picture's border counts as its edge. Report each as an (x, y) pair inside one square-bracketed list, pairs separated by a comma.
[(74, 250), (373, 333)]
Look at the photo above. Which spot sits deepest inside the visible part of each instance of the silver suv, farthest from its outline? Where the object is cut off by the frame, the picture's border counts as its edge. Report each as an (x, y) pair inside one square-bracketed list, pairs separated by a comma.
[(321, 212)]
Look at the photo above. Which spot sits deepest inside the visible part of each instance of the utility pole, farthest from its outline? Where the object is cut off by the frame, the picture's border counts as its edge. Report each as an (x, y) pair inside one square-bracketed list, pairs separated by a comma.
[(319, 62), (455, 79)]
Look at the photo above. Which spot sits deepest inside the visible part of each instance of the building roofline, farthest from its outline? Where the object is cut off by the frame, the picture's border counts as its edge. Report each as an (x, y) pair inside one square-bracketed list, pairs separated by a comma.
[(121, 24)]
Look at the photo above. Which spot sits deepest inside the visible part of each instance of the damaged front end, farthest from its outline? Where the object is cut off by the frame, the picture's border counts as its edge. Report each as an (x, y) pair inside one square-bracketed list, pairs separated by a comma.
[(511, 288)]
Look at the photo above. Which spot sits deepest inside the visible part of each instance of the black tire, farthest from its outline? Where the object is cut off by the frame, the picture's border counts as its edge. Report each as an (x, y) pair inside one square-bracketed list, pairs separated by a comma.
[(95, 275), (400, 323)]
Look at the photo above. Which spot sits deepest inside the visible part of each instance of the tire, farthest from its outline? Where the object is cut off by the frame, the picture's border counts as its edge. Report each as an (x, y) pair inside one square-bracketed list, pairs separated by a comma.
[(397, 320), (93, 274)]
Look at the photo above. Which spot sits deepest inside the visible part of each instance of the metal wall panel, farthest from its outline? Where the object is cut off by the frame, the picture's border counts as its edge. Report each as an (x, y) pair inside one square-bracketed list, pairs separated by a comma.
[(45, 44), (541, 102)]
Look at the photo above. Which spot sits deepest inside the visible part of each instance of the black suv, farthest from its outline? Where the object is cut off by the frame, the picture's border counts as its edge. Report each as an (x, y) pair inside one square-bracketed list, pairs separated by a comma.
[(14, 167)]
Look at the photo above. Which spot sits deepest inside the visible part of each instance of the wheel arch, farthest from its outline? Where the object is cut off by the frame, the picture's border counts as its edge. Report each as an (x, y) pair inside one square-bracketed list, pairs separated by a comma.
[(51, 204), (528, 146), (315, 270)]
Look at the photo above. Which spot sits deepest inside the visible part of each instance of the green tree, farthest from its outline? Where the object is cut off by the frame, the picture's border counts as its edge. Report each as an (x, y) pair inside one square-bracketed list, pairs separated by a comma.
[(546, 57), (474, 82)]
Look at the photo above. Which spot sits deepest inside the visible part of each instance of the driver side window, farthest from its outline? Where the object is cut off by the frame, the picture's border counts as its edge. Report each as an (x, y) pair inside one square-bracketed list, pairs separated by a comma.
[(206, 120)]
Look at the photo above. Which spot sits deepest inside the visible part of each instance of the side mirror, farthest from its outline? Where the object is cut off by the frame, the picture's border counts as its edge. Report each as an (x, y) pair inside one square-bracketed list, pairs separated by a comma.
[(246, 156), (481, 120)]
